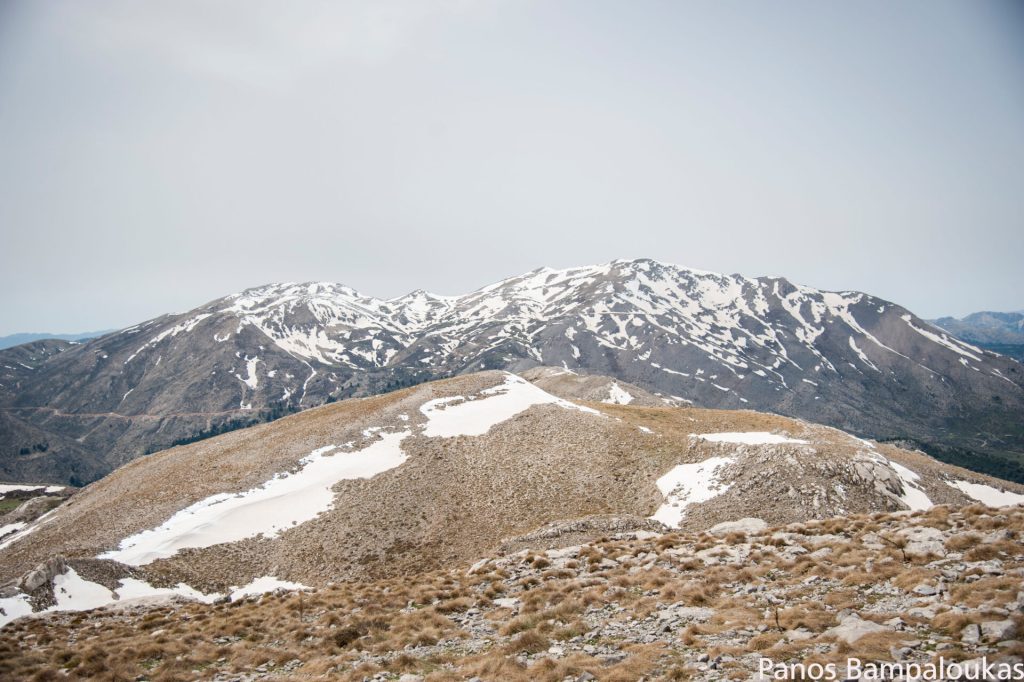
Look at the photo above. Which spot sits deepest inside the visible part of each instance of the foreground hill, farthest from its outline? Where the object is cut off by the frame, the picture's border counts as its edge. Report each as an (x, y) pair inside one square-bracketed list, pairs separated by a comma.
[(930, 589), (438, 474), (845, 359)]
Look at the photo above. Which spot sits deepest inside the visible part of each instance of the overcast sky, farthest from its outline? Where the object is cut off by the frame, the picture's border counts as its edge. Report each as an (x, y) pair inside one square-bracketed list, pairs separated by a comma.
[(157, 155)]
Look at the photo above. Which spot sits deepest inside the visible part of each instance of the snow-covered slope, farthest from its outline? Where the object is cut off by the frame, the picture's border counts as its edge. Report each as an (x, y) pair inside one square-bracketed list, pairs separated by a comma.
[(842, 358)]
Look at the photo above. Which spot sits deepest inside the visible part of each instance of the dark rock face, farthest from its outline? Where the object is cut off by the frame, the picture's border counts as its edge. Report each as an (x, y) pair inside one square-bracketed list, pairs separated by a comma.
[(845, 359)]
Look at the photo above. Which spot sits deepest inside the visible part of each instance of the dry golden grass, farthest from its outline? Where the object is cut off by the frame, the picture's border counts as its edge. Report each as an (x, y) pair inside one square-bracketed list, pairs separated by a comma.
[(352, 630), (913, 577), (809, 615), (962, 541)]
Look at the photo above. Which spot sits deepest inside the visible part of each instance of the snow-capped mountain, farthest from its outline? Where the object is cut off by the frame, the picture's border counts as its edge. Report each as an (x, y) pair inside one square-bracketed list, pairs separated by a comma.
[(986, 327), (1002, 333), (842, 358)]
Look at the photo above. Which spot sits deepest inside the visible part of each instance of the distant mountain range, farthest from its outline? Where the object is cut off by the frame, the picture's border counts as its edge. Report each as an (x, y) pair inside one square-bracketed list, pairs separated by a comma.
[(998, 332), (72, 413), (18, 339)]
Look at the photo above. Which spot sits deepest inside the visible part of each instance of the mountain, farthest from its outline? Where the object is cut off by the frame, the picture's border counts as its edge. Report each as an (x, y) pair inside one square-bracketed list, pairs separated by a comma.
[(998, 332), (18, 339), (845, 359), (933, 595), (441, 474)]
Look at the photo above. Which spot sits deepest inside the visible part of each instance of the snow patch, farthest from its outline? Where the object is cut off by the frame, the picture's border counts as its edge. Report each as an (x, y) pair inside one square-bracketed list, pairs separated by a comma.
[(282, 502), (18, 535), (913, 496), (617, 395), (136, 590), (943, 340), (265, 584), (11, 487), (458, 416), (14, 607), (688, 484), (74, 593), (251, 379), (986, 494), (11, 528), (863, 357)]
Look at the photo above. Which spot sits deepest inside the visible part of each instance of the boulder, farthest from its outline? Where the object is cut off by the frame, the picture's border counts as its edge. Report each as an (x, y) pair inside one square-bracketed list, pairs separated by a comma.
[(998, 630), (42, 574), (923, 541), (750, 526), (853, 627), (478, 567)]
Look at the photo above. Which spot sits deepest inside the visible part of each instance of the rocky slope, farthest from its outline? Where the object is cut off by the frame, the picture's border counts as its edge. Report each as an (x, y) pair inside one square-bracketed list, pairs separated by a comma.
[(846, 359), (441, 473), (21, 505), (938, 588)]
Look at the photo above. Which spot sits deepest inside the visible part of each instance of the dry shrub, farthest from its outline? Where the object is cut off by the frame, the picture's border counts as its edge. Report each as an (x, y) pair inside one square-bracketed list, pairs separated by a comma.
[(574, 629), (519, 624), (973, 511), (951, 623), (695, 594), (876, 646), (565, 610), (990, 523), (666, 541), (936, 517), (982, 553), (1000, 589), (426, 637), (679, 674), (454, 605), (963, 541), (763, 641), (913, 577), (811, 616), (641, 659), (690, 635), (840, 599), (530, 641)]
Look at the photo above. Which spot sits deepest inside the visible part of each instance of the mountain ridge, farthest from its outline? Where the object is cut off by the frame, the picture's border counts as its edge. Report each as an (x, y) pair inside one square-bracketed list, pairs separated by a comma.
[(21, 338), (842, 358), (1001, 333)]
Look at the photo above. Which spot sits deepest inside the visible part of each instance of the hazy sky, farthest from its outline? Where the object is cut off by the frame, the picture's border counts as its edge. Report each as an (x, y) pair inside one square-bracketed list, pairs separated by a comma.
[(156, 155)]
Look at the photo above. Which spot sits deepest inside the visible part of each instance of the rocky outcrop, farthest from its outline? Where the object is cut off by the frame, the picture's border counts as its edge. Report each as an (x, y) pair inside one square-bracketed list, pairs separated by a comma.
[(43, 574)]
